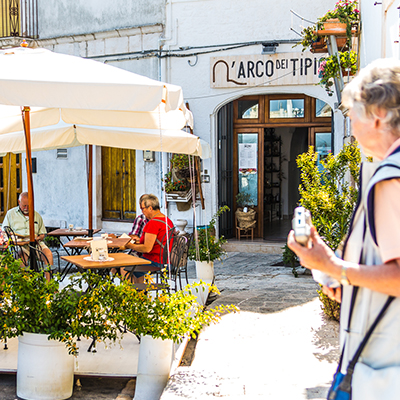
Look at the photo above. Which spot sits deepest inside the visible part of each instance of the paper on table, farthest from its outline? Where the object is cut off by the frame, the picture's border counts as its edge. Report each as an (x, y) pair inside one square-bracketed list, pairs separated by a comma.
[(83, 238), (124, 236)]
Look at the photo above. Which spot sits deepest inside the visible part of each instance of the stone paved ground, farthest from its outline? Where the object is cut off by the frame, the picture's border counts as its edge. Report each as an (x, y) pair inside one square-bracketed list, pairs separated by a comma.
[(280, 346)]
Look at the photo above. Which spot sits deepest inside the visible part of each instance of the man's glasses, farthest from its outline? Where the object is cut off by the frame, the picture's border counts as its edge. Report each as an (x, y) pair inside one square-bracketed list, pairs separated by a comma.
[(143, 208)]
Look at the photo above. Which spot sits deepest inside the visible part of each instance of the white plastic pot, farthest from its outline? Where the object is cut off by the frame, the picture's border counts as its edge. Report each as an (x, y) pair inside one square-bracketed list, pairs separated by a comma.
[(45, 369), (205, 271), (154, 366)]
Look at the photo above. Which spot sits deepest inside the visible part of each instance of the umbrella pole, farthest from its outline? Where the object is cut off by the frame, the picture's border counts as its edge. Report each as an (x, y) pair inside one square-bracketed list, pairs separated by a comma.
[(90, 190), (28, 146)]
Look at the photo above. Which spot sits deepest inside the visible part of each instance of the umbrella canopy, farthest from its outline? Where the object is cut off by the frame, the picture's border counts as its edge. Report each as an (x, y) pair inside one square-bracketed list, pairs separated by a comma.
[(39, 77), (63, 135), (78, 91)]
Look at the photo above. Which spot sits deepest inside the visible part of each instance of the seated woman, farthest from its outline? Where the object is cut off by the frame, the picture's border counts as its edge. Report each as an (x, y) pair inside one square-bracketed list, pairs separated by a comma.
[(154, 232)]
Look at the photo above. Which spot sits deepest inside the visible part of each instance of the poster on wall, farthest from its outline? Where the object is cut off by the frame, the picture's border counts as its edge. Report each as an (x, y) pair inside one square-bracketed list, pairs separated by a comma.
[(247, 158)]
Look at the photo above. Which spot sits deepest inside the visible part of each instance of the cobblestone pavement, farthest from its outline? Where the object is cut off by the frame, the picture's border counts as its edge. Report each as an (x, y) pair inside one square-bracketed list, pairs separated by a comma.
[(280, 346)]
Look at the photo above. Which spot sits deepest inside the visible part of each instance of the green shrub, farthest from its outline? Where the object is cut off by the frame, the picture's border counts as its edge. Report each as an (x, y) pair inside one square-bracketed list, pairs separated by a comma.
[(326, 191)]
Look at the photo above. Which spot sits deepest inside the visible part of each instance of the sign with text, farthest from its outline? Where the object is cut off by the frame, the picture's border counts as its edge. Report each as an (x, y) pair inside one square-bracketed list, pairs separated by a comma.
[(265, 70)]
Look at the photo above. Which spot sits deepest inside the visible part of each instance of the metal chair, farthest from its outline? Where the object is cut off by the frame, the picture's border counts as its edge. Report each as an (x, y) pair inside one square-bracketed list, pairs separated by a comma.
[(176, 259), (42, 262), (15, 248)]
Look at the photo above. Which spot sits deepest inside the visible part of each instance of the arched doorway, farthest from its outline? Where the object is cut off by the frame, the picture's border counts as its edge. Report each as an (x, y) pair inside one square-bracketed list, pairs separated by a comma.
[(259, 139)]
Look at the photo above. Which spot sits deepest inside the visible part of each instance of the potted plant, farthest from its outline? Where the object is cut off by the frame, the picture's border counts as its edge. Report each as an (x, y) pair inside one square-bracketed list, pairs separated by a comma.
[(329, 68), (245, 214), (180, 165), (47, 321), (161, 320), (52, 242), (206, 247), (345, 12)]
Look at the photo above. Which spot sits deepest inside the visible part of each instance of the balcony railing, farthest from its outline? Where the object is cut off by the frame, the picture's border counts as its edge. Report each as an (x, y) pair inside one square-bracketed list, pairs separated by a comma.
[(19, 18)]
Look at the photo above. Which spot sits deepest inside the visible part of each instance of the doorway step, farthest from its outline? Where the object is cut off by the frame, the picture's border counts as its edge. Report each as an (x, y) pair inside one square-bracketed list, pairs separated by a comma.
[(254, 246)]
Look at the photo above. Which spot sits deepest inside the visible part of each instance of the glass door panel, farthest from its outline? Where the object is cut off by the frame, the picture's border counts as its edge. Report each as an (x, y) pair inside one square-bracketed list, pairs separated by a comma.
[(248, 165)]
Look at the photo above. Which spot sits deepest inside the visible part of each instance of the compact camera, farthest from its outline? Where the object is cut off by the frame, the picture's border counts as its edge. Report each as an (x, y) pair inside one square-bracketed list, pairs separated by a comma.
[(301, 225)]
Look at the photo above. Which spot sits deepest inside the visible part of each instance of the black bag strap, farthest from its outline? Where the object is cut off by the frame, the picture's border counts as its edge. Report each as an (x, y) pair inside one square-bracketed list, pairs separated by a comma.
[(345, 385)]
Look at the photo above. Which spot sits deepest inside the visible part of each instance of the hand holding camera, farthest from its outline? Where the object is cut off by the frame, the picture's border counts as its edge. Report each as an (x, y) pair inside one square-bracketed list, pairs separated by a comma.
[(301, 225)]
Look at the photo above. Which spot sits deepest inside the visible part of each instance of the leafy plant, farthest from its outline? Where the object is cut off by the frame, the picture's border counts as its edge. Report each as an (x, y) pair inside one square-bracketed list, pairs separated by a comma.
[(243, 199), (331, 307), (51, 241), (170, 185), (168, 315), (209, 246), (345, 11), (290, 259), (329, 196), (180, 161), (329, 68), (86, 307), (309, 36)]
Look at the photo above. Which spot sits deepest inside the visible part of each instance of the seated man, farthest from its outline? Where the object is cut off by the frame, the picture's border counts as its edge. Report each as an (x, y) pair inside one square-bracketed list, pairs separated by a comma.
[(149, 243), (18, 220), (137, 227)]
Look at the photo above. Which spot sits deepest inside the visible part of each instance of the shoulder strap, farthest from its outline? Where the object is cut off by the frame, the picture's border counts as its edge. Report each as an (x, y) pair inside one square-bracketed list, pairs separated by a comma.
[(168, 226), (386, 171)]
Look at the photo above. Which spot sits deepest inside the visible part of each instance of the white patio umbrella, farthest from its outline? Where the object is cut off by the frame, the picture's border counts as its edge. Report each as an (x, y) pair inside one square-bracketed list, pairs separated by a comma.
[(63, 135), (81, 91)]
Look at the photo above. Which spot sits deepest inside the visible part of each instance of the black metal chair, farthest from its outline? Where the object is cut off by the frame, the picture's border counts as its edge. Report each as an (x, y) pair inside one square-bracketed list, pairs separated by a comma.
[(14, 247), (41, 261), (175, 260)]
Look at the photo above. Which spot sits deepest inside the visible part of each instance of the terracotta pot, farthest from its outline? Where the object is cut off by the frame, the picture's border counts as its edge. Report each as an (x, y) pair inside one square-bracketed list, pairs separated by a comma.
[(333, 27), (319, 46), (347, 73)]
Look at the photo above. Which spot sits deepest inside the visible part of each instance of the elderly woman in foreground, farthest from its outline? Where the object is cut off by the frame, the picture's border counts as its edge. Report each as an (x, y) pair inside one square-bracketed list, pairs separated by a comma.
[(369, 271)]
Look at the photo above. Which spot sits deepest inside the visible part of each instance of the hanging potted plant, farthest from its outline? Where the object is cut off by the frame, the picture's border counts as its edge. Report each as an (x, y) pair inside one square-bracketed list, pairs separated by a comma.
[(161, 320), (180, 166), (47, 321), (329, 68), (342, 20), (207, 248)]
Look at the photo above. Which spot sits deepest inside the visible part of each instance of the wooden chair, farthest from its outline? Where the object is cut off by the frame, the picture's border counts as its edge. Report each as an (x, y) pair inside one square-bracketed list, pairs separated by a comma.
[(247, 232)]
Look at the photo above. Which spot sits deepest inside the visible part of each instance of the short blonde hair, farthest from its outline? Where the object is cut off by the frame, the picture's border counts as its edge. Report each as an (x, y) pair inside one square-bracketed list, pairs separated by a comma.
[(376, 88)]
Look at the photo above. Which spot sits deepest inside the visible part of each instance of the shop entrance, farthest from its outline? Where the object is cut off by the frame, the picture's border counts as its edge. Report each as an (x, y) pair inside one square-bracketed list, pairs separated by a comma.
[(260, 138)]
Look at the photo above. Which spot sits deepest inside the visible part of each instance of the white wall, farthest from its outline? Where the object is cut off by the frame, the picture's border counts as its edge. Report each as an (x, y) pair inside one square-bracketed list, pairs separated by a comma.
[(206, 22), (65, 17)]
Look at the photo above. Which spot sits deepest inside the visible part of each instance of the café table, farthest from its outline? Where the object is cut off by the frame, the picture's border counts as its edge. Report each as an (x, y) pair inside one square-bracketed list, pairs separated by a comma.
[(115, 260), (59, 233), (78, 244)]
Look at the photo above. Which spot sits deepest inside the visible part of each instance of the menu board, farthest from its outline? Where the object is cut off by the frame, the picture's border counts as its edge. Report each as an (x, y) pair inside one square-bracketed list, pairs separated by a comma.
[(248, 156)]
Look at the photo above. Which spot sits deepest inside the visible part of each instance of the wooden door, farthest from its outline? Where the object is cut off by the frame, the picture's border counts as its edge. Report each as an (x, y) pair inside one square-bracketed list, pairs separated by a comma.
[(118, 184), (10, 182)]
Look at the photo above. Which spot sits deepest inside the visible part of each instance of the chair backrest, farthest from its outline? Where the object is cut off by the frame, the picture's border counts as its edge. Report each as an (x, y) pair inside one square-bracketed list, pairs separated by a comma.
[(12, 237), (177, 258), (41, 260)]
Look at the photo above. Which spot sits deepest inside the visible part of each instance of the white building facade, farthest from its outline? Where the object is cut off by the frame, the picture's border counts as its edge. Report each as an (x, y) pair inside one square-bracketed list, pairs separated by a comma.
[(254, 97)]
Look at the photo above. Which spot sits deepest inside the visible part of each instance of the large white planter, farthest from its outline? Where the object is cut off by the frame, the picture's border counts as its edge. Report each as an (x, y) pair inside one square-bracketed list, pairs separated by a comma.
[(154, 366), (45, 369), (205, 270)]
